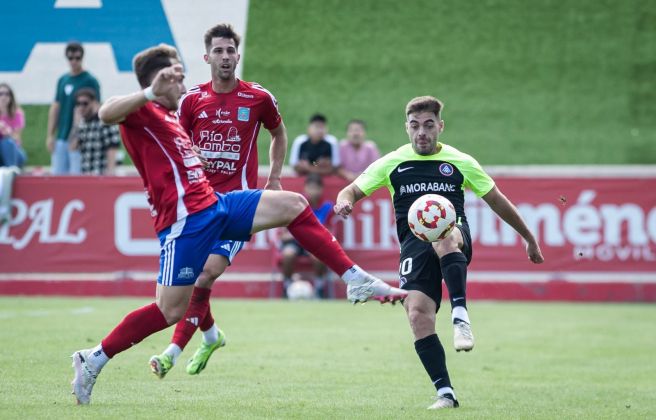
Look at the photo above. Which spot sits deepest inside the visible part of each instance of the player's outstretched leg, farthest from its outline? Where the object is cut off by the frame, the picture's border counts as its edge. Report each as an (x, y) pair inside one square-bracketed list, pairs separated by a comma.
[(285, 208), (421, 311), (453, 264), (197, 312), (136, 326)]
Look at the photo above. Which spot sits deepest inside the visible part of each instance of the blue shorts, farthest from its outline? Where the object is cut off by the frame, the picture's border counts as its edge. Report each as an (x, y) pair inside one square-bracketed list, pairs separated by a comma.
[(186, 244), (227, 248)]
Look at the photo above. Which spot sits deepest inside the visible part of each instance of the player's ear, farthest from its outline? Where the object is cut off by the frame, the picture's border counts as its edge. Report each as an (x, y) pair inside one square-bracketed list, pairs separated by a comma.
[(441, 126), (206, 58)]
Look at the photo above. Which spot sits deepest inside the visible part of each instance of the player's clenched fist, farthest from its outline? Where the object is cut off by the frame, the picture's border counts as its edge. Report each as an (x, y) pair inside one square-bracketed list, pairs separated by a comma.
[(343, 208), (168, 82)]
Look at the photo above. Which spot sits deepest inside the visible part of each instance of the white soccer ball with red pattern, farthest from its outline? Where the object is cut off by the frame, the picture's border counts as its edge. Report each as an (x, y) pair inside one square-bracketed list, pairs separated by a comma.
[(431, 217)]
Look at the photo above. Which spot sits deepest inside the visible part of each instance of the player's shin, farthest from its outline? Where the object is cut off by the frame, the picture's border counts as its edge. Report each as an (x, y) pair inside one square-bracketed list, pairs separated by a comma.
[(431, 353), (199, 305), (136, 326), (316, 239), (454, 271)]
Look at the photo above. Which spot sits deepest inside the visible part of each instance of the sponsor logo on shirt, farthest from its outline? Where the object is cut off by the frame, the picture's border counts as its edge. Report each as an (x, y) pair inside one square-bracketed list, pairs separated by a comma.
[(427, 187), (220, 121), (245, 95), (446, 169), (222, 113), (195, 176), (202, 115), (68, 89), (243, 113)]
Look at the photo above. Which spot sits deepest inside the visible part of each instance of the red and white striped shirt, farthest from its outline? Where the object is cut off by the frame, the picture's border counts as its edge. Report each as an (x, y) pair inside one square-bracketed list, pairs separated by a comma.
[(225, 127), (172, 174)]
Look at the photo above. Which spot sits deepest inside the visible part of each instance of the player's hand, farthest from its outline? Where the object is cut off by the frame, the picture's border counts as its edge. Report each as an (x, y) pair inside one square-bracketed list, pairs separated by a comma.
[(273, 185), (534, 253), (50, 144), (343, 208), (167, 82), (203, 159)]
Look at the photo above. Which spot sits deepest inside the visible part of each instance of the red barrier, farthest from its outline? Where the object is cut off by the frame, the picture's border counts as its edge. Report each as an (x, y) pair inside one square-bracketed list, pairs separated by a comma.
[(79, 235)]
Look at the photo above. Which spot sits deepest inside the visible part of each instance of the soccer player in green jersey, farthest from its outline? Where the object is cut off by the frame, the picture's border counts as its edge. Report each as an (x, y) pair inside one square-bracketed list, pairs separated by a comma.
[(422, 167)]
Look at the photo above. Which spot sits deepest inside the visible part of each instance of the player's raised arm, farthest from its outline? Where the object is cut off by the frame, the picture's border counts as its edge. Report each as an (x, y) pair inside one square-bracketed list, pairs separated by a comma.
[(500, 204), (347, 198), (166, 86), (277, 153)]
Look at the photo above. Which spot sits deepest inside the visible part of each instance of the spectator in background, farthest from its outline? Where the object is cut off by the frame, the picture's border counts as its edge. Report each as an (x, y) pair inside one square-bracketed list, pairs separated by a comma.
[(96, 141), (290, 249), (12, 122), (356, 152), (316, 152), (60, 117)]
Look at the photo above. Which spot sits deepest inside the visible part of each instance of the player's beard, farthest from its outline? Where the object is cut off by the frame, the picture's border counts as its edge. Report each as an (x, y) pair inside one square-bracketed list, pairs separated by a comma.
[(426, 150)]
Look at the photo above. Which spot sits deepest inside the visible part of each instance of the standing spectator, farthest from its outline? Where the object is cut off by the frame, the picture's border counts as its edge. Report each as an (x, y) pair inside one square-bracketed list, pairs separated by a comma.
[(316, 152), (290, 249), (12, 122), (60, 117), (96, 141), (356, 152)]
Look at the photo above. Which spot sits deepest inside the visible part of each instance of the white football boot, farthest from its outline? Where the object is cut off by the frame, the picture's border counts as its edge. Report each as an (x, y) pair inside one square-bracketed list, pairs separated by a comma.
[(366, 286), (85, 376), (463, 338), (444, 401)]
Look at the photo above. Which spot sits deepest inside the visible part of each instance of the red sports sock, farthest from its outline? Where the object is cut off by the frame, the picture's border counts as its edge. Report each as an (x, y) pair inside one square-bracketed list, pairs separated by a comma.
[(198, 308), (208, 321), (136, 326), (316, 239)]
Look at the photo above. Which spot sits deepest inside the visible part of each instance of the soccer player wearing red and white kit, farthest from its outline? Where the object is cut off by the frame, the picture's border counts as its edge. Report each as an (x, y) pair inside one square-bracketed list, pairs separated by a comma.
[(189, 216), (223, 118)]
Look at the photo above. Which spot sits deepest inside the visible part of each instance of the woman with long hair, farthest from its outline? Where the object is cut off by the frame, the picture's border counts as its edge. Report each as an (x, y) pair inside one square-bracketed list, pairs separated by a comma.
[(12, 122)]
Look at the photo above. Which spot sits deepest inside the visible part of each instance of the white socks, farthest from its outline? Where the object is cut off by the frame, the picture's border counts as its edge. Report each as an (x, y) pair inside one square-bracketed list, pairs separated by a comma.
[(446, 390), (352, 274), (98, 358), (174, 351), (461, 313), (211, 336)]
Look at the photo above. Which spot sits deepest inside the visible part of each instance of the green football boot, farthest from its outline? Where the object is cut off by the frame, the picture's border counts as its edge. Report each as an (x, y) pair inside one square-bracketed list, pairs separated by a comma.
[(161, 364), (199, 360)]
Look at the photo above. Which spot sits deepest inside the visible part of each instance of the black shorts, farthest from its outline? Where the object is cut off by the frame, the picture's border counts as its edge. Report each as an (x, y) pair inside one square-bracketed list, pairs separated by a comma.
[(419, 267)]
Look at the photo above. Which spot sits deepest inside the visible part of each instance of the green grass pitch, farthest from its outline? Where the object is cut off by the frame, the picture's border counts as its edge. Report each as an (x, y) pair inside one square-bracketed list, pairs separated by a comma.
[(333, 360)]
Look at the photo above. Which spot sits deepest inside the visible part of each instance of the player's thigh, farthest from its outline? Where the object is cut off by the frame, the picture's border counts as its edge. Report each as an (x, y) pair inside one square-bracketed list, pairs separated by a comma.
[(173, 301), (277, 208), (419, 269), (452, 243)]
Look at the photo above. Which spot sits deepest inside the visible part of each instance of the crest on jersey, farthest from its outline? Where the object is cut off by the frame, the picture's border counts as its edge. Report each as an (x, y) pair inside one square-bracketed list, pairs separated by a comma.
[(243, 113), (446, 169)]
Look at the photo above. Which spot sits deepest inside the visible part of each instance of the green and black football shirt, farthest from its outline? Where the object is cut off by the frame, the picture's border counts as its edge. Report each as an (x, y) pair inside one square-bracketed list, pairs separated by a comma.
[(408, 176)]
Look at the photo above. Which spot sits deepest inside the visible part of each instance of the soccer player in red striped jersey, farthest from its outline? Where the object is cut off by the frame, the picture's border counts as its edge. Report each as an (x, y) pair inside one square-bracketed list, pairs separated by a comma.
[(189, 215), (223, 118)]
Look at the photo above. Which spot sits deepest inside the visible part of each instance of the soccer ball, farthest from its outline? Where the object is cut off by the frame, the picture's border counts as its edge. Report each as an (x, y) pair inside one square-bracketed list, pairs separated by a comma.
[(300, 289), (431, 217)]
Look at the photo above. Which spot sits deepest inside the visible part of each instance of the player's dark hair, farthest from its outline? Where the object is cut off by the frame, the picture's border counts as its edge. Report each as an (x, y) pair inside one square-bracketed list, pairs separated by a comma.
[(151, 60), (12, 107), (73, 47), (315, 179), (318, 118), (222, 30), (361, 123), (86, 91), (424, 104)]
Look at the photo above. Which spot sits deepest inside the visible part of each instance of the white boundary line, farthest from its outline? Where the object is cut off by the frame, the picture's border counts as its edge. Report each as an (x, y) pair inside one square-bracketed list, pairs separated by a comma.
[(473, 276)]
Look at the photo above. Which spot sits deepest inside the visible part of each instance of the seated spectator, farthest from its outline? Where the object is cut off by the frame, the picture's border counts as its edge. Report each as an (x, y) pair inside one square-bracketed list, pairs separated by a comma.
[(12, 122), (356, 152), (97, 142), (317, 151), (291, 250)]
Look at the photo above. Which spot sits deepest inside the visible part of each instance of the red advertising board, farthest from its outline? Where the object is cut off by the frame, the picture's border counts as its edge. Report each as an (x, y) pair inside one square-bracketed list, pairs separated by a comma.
[(598, 237)]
